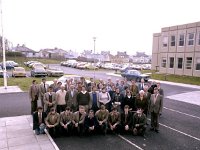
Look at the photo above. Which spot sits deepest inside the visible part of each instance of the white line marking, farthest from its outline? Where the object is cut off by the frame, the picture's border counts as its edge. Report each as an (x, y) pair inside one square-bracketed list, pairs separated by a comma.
[(181, 112), (130, 142), (193, 137)]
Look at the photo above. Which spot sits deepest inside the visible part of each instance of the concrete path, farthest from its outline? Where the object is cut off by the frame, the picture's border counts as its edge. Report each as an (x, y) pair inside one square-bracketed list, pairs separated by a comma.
[(16, 134)]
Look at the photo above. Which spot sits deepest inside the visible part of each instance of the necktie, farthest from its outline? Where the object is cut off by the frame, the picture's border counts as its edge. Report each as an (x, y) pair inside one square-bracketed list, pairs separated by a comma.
[(50, 98), (44, 89), (40, 118)]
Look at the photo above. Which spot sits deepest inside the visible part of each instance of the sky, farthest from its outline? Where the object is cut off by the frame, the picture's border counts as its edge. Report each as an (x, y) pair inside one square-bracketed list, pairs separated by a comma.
[(118, 25)]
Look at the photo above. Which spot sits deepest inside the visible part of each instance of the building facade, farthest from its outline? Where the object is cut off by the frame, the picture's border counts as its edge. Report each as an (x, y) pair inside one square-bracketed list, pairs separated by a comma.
[(176, 50)]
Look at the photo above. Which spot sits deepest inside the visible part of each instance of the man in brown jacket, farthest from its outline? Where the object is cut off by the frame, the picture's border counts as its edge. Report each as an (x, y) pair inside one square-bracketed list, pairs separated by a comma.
[(33, 95), (71, 98), (52, 122)]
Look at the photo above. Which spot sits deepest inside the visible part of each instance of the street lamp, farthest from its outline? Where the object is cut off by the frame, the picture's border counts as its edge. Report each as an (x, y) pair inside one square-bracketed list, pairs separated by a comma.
[(94, 38)]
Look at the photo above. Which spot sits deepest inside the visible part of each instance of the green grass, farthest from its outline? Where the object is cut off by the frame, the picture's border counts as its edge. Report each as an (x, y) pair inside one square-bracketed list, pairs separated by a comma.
[(23, 83), (173, 78)]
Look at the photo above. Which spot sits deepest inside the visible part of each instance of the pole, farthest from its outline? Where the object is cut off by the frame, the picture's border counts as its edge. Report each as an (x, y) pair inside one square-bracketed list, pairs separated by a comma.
[(3, 48), (94, 38)]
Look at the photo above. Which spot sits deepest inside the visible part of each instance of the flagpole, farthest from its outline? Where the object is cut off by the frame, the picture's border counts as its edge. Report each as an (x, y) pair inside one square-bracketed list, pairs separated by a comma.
[(3, 48)]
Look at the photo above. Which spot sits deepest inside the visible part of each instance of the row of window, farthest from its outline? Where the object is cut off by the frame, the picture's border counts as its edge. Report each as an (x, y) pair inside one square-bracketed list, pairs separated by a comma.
[(181, 40), (180, 62)]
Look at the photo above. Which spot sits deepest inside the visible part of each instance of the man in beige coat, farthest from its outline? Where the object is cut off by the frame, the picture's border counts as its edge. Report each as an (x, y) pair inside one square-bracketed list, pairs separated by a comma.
[(43, 88)]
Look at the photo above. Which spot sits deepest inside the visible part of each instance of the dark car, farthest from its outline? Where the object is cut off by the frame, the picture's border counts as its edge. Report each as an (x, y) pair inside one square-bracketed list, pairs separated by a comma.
[(38, 72), (135, 75), (8, 66), (1, 72)]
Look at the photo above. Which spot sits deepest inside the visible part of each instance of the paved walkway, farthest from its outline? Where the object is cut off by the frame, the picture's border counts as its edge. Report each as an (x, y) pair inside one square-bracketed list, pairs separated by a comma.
[(10, 89), (16, 134)]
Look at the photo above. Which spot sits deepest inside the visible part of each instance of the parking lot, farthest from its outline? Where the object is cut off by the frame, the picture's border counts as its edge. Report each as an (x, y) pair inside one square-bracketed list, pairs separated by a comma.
[(179, 124)]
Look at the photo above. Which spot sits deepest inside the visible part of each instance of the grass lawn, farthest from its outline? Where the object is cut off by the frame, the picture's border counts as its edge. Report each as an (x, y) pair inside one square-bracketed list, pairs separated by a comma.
[(174, 78), (23, 83)]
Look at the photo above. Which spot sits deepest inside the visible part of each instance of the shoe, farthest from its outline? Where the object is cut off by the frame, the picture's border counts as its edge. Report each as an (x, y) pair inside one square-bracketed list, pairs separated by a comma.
[(156, 130)]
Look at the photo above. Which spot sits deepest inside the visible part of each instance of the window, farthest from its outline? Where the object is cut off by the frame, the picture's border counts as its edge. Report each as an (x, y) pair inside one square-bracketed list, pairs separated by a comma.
[(165, 41), (164, 62), (173, 40), (171, 62), (190, 38), (189, 63), (181, 39), (198, 63), (199, 39), (180, 63)]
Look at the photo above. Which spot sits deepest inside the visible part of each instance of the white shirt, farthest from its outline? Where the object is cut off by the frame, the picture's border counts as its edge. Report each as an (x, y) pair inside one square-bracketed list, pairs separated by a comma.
[(60, 97)]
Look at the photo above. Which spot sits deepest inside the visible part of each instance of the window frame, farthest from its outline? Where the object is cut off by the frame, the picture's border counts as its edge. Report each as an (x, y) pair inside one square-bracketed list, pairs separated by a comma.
[(165, 41), (192, 40), (173, 41), (171, 64), (197, 64), (188, 65), (181, 40), (164, 64), (179, 63)]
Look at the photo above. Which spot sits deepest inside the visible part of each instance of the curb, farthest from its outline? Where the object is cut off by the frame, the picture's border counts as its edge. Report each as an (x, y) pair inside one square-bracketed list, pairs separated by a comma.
[(51, 140)]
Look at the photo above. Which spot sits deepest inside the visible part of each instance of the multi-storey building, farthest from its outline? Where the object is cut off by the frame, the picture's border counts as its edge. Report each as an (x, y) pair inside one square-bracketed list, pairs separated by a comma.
[(176, 50)]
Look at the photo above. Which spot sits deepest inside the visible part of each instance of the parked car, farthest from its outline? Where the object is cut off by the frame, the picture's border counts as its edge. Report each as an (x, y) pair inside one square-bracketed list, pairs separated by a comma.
[(8, 66), (19, 72), (13, 63), (67, 77), (135, 75), (54, 73), (1, 72), (38, 72), (38, 64), (90, 66)]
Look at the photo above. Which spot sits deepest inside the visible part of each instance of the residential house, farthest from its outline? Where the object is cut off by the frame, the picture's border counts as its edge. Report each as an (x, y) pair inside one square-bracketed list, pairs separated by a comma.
[(25, 51)]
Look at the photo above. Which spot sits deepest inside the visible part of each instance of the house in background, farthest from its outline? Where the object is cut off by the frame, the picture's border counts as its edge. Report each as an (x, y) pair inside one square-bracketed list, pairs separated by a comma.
[(141, 58), (176, 50), (55, 53), (27, 52), (120, 58)]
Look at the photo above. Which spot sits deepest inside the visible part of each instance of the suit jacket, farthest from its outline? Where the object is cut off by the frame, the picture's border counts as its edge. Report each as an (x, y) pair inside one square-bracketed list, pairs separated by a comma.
[(140, 86), (71, 100), (91, 99), (42, 91), (128, 120), (157, 106), (36, 119), (46, 100), (139, 120), (79, 119), (33, 92), (141, 103), (161, 92), (52, 119)]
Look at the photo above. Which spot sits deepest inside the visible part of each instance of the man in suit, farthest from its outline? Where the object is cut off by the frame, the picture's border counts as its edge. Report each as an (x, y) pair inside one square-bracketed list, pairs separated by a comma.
[(94, 99), (102, 118), (71, 98), (66, 118), (114, 120), (141, 85), (155, 107), (33, 95), (161, 92), (134, 88), (78, 120), (39, 121), (126, 119), (49, 100), (43, 87), (52, 122)]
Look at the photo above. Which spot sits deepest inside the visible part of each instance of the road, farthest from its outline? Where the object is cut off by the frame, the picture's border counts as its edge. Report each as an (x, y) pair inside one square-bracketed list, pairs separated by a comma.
[(179, 124)]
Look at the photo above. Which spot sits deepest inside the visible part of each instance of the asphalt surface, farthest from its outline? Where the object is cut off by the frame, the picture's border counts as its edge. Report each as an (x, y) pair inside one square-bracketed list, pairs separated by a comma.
[(179, 123)]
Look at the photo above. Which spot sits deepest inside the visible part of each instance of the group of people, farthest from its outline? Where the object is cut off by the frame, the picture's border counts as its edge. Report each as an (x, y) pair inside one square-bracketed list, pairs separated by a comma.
[(83, 108)]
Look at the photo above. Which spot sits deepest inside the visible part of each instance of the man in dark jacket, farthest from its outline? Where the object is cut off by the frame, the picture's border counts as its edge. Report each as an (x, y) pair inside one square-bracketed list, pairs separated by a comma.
[(39, 121), (90, 123), (126, 119), (83, 98)]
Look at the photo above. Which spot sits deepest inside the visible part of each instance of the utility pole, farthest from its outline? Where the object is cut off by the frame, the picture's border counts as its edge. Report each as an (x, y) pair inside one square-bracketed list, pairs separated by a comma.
[(3, 48)]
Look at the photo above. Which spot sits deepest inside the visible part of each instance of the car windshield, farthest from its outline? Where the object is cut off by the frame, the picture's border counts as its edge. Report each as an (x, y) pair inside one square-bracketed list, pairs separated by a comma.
[(19, 69), (64, 78), (135, 72), (39, 69)]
